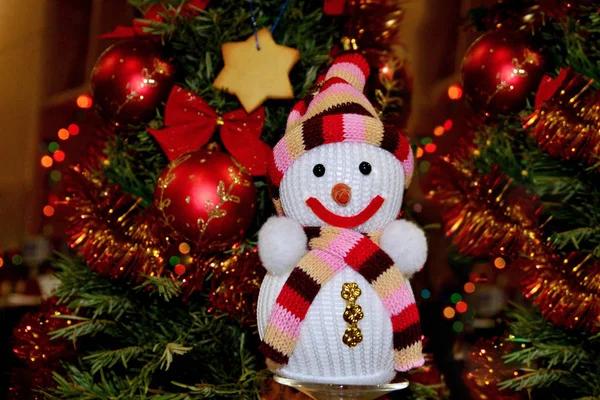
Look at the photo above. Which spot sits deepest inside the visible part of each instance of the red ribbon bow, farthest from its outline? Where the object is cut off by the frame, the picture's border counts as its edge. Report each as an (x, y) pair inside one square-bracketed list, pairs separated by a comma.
[(154, 14), (190, 123), (334, 7), (548, 86)]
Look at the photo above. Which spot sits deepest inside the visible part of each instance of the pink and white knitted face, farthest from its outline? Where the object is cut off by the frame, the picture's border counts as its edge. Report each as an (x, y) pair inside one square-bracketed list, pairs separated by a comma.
[(375, 191)]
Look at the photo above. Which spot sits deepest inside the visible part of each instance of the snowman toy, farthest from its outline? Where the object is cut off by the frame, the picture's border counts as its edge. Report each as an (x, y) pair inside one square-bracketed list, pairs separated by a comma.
[(336, 306)]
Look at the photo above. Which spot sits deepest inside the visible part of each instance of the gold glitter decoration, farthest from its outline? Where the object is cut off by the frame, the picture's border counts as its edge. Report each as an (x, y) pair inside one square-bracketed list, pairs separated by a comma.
[(518, 71), (163, 182), (216, 211), (352, 314), (160, 68)]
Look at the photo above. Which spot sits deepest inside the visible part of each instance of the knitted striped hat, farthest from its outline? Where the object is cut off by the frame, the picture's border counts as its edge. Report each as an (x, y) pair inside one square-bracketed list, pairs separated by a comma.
[(339, 112)]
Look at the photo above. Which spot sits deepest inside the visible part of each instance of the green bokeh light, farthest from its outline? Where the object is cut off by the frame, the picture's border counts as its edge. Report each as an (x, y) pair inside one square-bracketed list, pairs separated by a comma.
[(458, 326), (53, 146), (455, 298), (55, 176)]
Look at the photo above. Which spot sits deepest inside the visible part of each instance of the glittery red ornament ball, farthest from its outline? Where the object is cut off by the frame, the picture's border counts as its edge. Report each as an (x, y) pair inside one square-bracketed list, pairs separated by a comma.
[(130, 80), (499, 71), (206, 197)]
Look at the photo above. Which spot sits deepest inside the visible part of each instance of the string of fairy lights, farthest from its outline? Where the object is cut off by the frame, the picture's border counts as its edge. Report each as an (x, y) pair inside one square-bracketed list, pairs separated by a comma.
[(53, 155), (457, 308)]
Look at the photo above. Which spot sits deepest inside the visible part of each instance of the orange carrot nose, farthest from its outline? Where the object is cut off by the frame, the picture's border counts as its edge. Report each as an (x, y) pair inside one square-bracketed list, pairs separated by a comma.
[(341, 194)]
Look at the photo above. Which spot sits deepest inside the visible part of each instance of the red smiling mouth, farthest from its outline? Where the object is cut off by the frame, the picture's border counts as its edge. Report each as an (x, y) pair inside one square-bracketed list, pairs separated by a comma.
[(344, 222)]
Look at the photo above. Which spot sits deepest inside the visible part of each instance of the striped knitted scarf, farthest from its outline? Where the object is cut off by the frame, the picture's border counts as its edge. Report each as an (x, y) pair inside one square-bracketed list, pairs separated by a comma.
[(330, 250)]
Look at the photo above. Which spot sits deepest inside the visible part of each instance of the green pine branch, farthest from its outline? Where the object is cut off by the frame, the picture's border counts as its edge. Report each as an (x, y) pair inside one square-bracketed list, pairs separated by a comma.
[(536, 379), (567, 363), (553, 355), (419, 391), (581, 36), (109, 358), (143, 345), (87, 327), (134, 162), (164, 287)]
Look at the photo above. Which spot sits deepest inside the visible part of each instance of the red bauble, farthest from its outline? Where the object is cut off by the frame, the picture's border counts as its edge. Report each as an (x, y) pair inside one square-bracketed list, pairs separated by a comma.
[(206, 197), (499, 71), (130, 80)]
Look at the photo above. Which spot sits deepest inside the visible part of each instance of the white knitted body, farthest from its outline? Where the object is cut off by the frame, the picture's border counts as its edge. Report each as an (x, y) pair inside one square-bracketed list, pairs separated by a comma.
[(320, 356)]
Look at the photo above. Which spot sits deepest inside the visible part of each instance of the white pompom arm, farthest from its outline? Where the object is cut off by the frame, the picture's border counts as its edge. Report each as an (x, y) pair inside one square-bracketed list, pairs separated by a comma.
[(281, 244), (406, 244)]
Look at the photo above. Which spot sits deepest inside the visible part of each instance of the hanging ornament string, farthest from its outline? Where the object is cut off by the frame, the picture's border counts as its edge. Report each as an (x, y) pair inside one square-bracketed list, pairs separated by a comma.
[(253, 18)]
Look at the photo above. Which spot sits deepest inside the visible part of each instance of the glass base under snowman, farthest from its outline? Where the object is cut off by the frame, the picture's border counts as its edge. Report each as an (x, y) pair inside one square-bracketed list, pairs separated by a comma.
[(321, 391)]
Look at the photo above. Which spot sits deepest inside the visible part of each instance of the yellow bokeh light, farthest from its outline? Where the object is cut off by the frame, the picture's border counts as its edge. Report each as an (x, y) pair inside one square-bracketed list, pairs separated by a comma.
[(84, 101), (184, 248), (47, 161), (449, 312), (500, 263), (469, 287), (455, 92), (63, 134)]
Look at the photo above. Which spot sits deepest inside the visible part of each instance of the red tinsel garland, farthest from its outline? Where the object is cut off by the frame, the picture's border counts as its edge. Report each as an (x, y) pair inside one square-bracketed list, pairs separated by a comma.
[(119, 238), (485, 369), (42, 355), (111, 230), (486, 214), (568, 124), (566, 289)]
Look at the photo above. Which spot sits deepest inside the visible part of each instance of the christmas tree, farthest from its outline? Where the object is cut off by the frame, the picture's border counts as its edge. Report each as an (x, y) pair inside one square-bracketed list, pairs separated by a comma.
[(521, 193), (158, 298)]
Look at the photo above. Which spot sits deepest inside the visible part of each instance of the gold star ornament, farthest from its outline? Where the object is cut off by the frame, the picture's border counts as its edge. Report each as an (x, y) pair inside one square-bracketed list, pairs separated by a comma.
[(255, 75)]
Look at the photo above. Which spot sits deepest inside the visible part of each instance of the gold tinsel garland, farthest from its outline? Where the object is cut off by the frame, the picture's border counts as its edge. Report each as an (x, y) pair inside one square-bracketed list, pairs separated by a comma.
[(119, 238)]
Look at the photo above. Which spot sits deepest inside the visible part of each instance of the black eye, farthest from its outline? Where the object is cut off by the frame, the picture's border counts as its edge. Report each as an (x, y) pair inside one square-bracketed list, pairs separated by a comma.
[(319, 170), (365, 168)]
